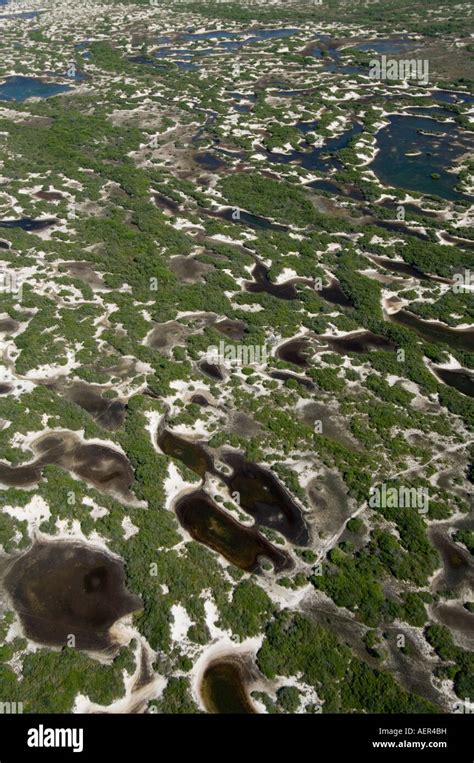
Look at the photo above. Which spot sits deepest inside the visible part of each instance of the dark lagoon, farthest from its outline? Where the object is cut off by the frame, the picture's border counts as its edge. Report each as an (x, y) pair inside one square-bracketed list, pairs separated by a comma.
[(458, 563), (263, 497), (210, 525), (262, 283), (334, 294), (8, 326), (259, 494), (61, 589), (223, 688), (234, 329), (200, 400), (462, 339), (296, 351), (207, 160), (105, 468), (360, 341), (287, 376), (399, 266), (457, 619), (211, 370), (192, 454), (461, 379), (109, 414)]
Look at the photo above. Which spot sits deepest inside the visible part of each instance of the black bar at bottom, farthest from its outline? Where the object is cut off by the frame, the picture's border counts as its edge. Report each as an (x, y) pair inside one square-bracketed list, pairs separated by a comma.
[(106, 737)]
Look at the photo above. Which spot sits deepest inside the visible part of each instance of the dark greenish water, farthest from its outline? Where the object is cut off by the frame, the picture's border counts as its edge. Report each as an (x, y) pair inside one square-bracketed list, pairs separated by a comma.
[(399, 266), (334, 294), (109, 414), (64, 588), (460, 379), (243, 546), (260, 494), (436, 332), (190, 453), (263, 497), (211, 370), (296, 351), (106, 468), (362, 341), (223, 689), (287, 376), (262, 283), (458, 564)]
